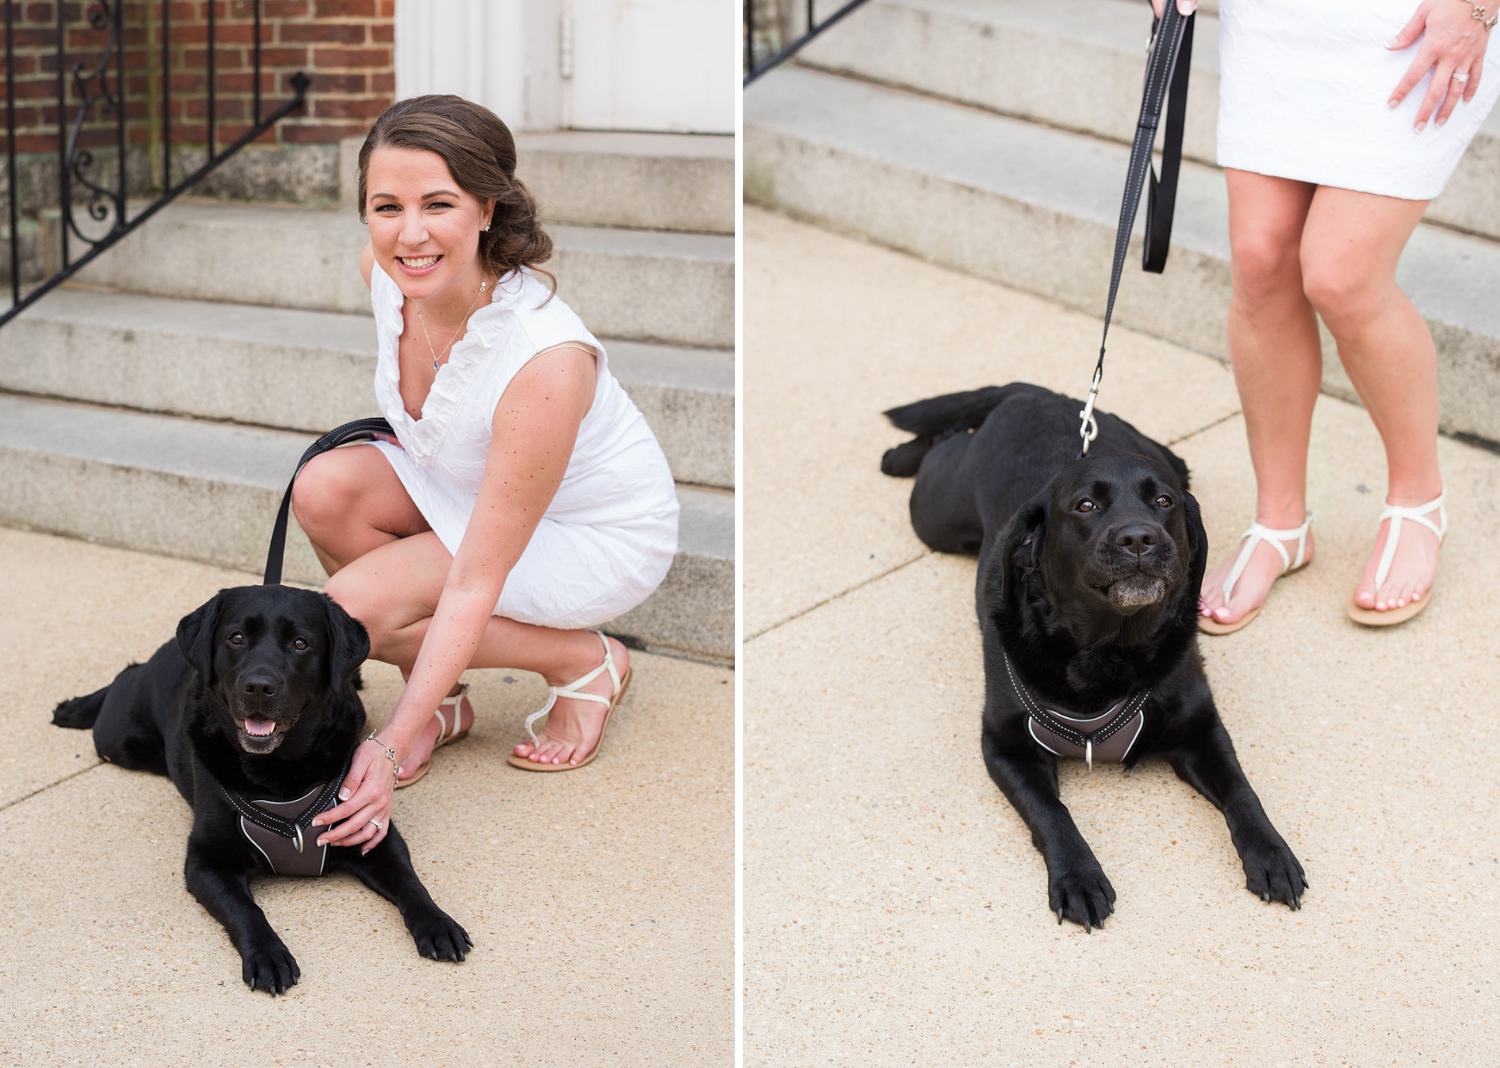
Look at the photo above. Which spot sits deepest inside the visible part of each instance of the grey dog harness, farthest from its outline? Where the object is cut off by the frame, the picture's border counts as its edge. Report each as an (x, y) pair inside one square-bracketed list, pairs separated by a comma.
[(1109, 735), (276, 828)]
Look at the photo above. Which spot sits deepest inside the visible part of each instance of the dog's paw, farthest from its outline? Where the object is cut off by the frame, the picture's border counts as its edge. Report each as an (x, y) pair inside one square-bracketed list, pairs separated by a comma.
[(440, 937), (1083, 896), (272, 969), (1272, 873)]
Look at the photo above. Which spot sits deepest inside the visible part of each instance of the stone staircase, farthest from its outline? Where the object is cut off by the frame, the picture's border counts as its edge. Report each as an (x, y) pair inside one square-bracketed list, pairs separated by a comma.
[(161, 400), (992, 136)]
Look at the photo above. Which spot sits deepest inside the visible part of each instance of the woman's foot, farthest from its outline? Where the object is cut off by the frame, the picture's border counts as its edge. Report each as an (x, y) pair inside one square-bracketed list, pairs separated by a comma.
[(1249, 592), (573, 726), (421, 750), (1413, 567)]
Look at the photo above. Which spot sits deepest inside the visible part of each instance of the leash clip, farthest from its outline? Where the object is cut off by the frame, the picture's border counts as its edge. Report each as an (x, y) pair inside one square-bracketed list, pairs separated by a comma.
[(1088, 752), (1089, 430), (298, 841)]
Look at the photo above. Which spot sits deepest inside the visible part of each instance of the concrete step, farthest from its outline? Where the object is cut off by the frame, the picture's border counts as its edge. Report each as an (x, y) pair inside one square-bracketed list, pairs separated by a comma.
[(293, 258), (310, 370), (640, 180), (987, 53), (1036, 208), (209, 491)]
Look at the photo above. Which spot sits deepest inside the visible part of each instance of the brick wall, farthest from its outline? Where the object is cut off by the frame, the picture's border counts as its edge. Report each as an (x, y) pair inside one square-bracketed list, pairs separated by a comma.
[(345, 46)]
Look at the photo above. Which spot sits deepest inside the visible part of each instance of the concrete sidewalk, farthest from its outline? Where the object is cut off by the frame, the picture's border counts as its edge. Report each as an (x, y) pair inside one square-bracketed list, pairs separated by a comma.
[(600, 902), (895, 910)]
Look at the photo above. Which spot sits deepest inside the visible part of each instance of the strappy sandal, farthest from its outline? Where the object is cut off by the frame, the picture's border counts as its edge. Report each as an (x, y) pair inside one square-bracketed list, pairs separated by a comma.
[(1372, 617), (571, 690), (447, 734), (1256, 534)]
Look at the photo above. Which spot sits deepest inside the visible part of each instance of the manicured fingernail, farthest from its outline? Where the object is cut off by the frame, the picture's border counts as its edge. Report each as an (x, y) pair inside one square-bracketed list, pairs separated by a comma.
[(322, 841), (1442, 120), (1392, 102), (344, 795), (1421, 126), (317, 822), (1392, 42)]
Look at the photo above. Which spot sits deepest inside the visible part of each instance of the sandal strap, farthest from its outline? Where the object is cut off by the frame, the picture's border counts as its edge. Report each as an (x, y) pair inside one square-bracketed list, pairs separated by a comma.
[(1260, 533), (571, 690), (453, 700), (1417, 514)]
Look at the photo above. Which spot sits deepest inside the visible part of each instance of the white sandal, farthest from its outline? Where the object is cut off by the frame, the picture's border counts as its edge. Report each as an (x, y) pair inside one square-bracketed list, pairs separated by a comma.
[(1248, 541), (447, 734), (1372, 617), (571, 690)]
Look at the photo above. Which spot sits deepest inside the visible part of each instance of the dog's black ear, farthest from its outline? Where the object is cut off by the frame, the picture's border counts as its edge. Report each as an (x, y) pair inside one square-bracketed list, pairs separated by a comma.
[(1024, 545), (348, 643), (195, 636), (1197, 542)]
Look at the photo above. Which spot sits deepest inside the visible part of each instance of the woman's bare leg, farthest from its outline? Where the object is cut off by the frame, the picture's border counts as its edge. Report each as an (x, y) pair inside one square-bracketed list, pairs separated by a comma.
[(394, 589), (1277, 359), (1351, 244), (348, 501)]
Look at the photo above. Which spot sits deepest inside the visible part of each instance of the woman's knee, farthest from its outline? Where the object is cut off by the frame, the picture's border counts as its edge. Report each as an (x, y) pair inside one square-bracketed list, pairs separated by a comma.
[(1265, 267), (1344, 292), (325, 495)]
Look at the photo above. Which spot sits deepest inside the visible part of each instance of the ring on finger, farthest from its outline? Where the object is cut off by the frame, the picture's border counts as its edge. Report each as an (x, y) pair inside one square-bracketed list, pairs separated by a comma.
[(1460, 78), (378, 825)]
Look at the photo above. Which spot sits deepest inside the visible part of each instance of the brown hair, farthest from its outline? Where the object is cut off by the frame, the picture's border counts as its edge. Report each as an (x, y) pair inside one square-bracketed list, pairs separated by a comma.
[(481, 155)]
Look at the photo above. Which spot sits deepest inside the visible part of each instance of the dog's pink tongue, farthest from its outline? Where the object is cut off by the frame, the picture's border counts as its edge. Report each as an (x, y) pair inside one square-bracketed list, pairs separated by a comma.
[(259, 726)]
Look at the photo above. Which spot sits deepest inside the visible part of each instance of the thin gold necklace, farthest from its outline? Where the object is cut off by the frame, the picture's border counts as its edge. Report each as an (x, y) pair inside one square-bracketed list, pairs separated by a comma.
[(461, 323)]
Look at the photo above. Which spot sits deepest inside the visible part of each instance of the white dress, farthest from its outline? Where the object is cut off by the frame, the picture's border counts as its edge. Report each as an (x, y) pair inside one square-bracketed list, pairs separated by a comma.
[(609, 535), (1303, 91)]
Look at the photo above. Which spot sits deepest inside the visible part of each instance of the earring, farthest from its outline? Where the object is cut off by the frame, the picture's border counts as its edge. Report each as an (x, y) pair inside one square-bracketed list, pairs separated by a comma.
[(485, 228)]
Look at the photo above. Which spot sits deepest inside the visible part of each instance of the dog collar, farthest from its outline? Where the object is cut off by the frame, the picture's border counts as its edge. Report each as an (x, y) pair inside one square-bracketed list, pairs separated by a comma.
[(1112, 732), (276, 828)]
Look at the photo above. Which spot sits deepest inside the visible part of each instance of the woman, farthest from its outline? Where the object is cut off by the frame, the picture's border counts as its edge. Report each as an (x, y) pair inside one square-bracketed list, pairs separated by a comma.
[(523, 498), (1330, 161)]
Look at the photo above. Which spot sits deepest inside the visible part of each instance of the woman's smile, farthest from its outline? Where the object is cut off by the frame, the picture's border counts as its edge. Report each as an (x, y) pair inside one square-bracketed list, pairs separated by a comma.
[(424, 229)]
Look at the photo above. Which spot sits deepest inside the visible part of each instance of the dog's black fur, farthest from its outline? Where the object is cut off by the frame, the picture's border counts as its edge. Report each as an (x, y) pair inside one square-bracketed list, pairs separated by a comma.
[(272, 653), (1092, 602)]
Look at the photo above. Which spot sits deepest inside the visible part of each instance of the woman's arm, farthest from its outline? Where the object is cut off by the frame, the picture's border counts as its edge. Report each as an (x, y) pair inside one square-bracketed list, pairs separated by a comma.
[(535, 426)]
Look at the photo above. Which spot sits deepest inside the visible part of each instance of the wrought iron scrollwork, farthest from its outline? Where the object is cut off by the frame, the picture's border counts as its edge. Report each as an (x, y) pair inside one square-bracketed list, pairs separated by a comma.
[(106, 18)]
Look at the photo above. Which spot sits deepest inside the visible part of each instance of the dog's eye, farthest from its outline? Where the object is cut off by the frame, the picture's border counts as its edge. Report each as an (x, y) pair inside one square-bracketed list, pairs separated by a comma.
[(1164, 501), (1086, 505), (300, 643), (236, 638)]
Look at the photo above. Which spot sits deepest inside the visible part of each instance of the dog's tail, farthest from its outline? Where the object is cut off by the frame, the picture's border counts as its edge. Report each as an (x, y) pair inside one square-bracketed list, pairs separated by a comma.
[(80, 713), (934, 419)]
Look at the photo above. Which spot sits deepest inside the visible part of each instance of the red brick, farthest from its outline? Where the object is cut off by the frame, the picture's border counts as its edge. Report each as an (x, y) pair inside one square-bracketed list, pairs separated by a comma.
[(383, 82), (35, 143), (351, 9), (283, 57), (345, 58), (325, 108), (384, 33), (235, 33), (387, 9), (285, 9), (343, 32), (322, 133), (237, 82), (338, 83)]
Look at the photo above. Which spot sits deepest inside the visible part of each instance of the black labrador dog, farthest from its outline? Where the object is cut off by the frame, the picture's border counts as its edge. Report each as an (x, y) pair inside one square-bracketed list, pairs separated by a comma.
[(253, 713), (1087, 595)]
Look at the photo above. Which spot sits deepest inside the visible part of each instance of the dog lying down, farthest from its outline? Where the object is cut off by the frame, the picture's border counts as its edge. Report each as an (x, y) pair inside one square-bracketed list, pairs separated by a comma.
[(252, 713), (1087, 594)]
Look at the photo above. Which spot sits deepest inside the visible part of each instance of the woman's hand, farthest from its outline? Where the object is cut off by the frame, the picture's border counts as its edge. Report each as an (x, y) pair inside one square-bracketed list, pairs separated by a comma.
[(1453, 43), (1184, 7), (365, 798)]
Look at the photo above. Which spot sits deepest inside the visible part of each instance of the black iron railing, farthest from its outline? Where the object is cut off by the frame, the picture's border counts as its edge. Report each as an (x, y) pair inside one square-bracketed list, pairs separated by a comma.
[(754, 70), (95, 88)]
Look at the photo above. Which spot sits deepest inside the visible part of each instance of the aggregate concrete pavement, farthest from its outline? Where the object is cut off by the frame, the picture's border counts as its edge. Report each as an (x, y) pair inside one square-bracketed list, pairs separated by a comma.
[(600, 902), (894, 908)]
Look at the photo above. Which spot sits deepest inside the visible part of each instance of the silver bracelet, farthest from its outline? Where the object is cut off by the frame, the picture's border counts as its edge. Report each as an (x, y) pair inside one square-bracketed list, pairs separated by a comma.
[(1478, 13), (390, 754)]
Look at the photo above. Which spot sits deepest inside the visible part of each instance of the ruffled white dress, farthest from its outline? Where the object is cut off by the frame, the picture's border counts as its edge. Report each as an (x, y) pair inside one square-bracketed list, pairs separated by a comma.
[(608, 538), (1303, 91)]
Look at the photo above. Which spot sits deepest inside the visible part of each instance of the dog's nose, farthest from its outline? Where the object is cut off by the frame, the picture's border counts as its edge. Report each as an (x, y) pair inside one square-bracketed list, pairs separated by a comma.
[(1137, 540), (260, 686)]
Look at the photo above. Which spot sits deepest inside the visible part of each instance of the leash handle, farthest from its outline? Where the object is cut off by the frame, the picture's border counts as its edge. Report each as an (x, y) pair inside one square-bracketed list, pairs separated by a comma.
[(358, 430), (1167, 70)]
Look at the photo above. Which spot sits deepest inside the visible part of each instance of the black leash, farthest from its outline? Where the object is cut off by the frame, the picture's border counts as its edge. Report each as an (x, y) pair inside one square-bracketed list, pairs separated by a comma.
[(359, 430), (291, 829), (1167, 70)]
